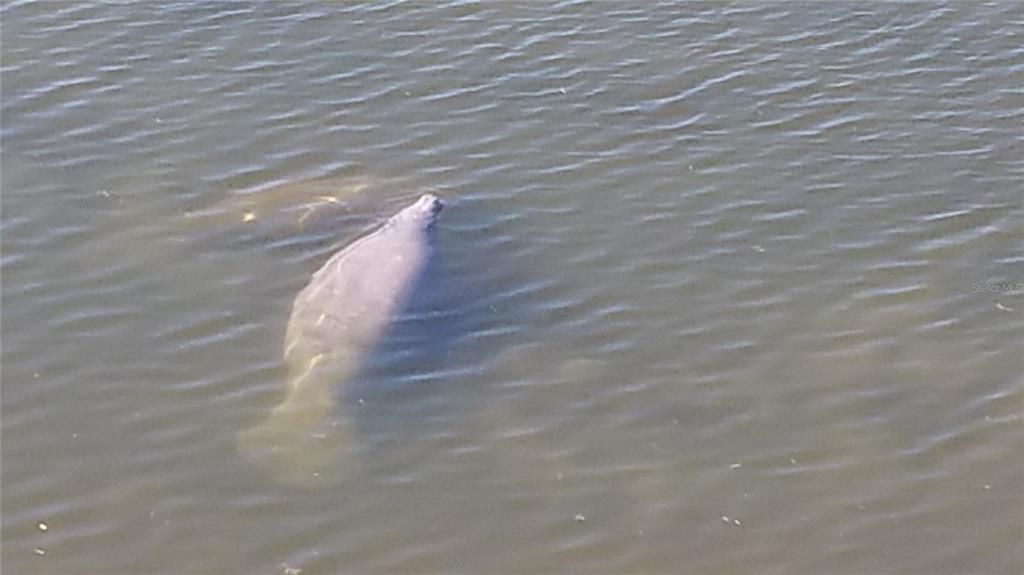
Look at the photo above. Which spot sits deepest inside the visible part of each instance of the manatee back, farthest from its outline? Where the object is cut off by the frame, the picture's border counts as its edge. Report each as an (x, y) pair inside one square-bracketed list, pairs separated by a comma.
[(350, 301)]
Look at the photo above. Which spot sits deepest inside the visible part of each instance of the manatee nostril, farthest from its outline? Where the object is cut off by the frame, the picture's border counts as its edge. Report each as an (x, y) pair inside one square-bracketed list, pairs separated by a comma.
[(431, 203)]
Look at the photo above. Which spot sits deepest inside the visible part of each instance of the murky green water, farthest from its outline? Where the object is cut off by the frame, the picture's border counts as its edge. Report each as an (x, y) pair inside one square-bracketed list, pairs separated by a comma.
[(719, 288)]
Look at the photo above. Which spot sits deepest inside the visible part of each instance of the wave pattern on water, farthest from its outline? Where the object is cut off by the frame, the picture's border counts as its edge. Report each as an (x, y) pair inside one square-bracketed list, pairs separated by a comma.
[(727, 286)]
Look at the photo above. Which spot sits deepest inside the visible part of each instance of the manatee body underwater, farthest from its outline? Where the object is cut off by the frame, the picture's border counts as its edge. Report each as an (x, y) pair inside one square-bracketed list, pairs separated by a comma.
[(335, 321)]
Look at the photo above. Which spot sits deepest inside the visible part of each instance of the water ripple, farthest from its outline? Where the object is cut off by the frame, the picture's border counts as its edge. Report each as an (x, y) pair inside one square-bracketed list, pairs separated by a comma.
[(723, 282)]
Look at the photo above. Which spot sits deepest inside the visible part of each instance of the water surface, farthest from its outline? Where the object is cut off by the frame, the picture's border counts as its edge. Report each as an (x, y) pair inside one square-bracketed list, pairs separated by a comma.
[(719, 288)]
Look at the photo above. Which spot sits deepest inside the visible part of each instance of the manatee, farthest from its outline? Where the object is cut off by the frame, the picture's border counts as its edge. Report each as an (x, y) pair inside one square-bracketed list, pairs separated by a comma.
[(335, 321), (284, 210), (296, 204)]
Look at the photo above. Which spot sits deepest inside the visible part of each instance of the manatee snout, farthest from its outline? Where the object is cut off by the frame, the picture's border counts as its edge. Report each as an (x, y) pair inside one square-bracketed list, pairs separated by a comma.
[(428, 206)]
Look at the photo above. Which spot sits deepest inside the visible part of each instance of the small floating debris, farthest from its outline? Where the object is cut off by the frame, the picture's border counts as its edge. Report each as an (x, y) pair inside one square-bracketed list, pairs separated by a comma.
[(291, 570), (1002, 307), (248, 217), (580, 518), (735, 466), (43, 526), (39, 551)]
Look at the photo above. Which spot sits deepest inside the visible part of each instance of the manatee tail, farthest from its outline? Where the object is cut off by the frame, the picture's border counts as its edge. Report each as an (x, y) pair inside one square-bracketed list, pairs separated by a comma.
[(299, 443)]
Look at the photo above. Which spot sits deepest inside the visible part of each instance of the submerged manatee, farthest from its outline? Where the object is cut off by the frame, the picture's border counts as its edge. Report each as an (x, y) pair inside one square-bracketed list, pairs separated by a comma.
[(336, 319), (282, 211), (295, 204)]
